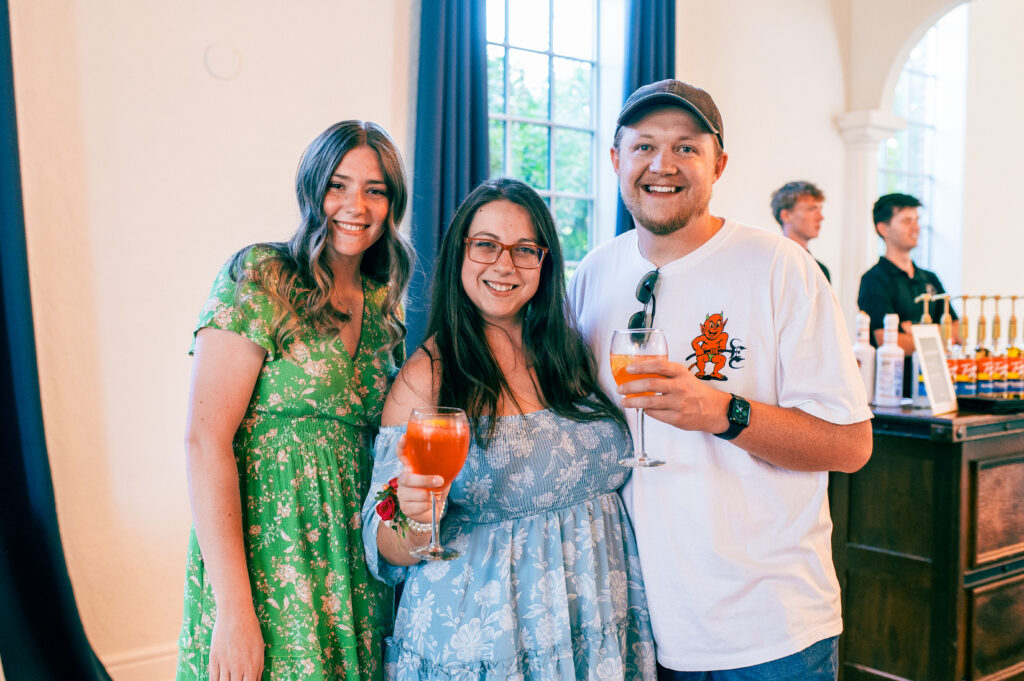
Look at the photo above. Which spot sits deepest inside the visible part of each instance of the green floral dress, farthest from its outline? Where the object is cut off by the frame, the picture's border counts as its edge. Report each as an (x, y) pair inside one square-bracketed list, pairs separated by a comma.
[(304, 464)]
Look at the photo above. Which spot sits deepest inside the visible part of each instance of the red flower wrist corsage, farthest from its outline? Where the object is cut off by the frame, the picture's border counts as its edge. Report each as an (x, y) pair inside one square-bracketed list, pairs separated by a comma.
[(388, 509)]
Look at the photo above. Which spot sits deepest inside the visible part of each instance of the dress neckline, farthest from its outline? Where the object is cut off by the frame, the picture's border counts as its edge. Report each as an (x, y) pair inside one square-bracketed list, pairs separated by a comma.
[(504, 417)]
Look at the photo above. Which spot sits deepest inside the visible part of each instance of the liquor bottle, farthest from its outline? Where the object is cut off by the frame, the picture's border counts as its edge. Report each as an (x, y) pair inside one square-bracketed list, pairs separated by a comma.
[(1014, 357), (983, 355), (918, 390), (864, 351), (998, 355), (889, 365), (966, 369)]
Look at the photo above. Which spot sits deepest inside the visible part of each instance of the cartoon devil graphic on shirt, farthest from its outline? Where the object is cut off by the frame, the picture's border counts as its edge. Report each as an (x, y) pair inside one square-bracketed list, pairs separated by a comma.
[(712, 350)]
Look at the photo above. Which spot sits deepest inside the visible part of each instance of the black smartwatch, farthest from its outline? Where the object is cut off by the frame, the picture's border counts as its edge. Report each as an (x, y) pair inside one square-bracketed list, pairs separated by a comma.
[(739, 417)]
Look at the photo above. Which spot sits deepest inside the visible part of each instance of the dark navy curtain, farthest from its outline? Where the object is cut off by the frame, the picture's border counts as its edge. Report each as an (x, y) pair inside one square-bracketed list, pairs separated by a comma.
[(41, 636), (650, 56), (451, 134)]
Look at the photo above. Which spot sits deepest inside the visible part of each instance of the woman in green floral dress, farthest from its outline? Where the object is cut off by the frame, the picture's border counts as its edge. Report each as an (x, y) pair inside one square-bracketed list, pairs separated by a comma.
[(294, 353)]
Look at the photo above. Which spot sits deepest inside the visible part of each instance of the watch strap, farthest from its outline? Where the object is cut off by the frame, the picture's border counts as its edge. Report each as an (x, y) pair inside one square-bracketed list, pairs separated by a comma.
[(739, 418)]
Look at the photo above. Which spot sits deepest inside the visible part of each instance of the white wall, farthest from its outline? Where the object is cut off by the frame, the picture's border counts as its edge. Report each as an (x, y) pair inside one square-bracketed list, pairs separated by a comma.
[(993, 241), (775, 71), (142, 173), (881, 35)]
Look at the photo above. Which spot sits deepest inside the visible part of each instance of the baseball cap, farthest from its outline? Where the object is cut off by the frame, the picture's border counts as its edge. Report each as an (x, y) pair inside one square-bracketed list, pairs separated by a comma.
[(671, 91)]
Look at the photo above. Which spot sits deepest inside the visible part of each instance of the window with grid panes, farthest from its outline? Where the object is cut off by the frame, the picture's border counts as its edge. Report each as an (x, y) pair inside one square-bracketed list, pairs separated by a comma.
[(916, 160), (542, 106)]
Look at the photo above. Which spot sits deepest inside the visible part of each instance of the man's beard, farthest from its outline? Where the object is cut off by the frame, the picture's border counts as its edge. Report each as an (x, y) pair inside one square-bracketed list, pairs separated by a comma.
[(694, 208)]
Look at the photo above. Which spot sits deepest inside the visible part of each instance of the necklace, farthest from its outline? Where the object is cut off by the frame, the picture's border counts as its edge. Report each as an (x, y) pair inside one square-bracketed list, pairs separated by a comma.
[(345, 310), (343, 303), (342, 306)]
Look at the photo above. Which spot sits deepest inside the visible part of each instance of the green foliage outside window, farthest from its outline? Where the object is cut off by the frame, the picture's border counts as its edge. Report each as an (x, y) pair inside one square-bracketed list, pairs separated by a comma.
[(542, 124)]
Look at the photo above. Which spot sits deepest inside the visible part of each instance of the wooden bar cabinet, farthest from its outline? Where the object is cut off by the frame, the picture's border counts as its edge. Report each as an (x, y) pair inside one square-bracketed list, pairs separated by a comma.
[(928, 543)]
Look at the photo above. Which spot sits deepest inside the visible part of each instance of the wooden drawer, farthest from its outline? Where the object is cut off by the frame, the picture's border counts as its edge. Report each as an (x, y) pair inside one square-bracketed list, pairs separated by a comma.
[(996, 630), (997, 510)]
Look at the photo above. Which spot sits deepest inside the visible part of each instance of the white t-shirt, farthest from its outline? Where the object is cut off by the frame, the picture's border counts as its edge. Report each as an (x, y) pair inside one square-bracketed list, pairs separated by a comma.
[(736, 552)]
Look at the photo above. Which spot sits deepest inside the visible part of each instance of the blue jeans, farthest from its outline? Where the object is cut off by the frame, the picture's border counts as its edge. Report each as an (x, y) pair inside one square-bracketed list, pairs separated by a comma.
[(818, 662)]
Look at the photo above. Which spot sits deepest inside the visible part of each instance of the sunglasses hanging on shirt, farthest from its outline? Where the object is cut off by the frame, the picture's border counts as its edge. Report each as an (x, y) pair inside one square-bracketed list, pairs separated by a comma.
[(645, 294)]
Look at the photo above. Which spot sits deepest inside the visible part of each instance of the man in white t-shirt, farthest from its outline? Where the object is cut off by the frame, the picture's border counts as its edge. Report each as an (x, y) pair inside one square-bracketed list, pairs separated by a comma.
[(759, 398)]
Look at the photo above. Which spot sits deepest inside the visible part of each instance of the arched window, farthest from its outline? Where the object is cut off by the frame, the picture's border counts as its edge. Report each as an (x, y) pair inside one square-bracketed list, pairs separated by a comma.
[(927, 158)]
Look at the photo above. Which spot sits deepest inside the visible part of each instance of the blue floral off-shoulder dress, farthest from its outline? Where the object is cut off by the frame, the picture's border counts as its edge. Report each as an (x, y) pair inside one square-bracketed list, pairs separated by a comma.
[(548, 586)]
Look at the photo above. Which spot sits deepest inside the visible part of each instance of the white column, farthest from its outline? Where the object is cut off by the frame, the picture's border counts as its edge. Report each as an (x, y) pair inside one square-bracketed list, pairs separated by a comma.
[(861, 131)]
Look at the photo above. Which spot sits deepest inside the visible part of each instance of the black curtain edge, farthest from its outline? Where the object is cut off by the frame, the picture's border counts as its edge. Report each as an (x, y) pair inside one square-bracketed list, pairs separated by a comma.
[(650, 23), (452, 158), (41, 633)]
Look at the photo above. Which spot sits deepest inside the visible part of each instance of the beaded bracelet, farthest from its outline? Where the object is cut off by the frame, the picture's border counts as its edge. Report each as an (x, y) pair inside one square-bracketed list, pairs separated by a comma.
[(417, 526)]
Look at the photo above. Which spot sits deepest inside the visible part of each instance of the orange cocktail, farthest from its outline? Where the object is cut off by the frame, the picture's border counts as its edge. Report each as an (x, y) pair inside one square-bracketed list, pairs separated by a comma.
[(637, 345), (619, 373), (437, 447), (436, 443)]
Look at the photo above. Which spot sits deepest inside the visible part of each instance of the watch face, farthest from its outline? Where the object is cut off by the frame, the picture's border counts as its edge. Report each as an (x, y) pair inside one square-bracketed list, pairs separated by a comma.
[(739, 411)]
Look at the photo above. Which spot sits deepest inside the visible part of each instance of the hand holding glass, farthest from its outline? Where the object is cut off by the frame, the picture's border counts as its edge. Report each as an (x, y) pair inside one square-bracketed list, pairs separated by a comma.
[(437, 442), (635, 345)]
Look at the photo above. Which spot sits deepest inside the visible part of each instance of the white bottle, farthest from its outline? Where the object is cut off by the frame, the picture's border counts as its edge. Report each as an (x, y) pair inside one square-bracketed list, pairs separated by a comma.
[(865, 354), (889, 365)]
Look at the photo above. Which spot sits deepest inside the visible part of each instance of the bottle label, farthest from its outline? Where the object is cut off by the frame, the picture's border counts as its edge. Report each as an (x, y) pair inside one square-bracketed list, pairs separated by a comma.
[(889, 380), (966, 377), (999, 377), (986, 366), (1015, 376), (986, 370)]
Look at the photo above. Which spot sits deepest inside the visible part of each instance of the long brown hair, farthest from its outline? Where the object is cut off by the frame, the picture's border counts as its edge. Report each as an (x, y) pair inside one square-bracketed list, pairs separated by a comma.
[(298, 278), (469, 376)]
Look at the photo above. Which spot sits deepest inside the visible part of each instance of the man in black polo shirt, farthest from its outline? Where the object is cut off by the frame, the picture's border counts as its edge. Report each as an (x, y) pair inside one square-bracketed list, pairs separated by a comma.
[(895, 280)]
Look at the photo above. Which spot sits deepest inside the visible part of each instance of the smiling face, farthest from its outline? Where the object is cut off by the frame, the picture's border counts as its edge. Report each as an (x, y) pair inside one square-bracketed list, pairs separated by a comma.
[(901, 232), (713, 326), (356, 204), (500, 291), (667, 162), (802, 222)]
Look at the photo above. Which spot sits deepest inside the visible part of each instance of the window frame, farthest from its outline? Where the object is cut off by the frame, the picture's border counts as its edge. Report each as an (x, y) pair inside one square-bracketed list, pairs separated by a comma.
[(605, 64)]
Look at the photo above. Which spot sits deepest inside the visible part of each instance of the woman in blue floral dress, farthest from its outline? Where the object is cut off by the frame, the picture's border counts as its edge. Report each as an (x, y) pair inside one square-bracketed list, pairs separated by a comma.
[(294, 353), (548, 586)]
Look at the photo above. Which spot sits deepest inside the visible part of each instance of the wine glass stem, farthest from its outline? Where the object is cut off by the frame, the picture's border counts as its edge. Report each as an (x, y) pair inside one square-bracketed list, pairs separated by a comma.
[(434, 546), (640, 428)]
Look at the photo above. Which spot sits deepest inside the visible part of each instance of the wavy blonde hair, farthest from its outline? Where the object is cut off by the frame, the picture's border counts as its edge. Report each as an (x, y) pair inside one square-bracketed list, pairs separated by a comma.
[(297, 276)]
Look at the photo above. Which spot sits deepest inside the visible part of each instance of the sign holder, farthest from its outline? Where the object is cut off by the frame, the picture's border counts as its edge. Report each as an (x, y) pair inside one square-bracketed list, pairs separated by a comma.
[(932, 356)]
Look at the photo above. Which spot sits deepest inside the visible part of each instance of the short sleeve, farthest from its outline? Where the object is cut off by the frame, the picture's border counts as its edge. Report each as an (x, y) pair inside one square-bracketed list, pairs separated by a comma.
[(817, 371), (385, 466), (243, 308)]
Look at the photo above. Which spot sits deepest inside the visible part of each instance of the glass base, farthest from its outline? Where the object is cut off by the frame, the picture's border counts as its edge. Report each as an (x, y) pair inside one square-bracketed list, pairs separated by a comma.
[(640, 462), (435, 553)]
